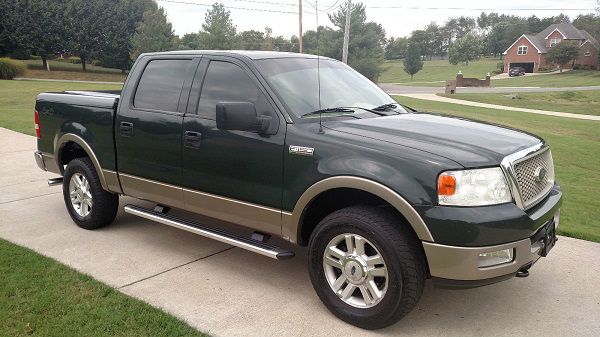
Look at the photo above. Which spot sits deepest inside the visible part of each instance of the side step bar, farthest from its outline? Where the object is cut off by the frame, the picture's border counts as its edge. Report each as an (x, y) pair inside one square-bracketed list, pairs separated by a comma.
[(55, 181), (212, 233)]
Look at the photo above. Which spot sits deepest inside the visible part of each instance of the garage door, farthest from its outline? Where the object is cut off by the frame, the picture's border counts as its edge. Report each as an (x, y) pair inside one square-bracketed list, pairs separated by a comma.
[(528, 66)]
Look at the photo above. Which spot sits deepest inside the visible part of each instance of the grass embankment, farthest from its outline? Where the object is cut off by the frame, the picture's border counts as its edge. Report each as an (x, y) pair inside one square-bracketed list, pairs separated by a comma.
[(41, 297), (17, 100), (71, 71), (573, 78), (437, 72), (576, 151), (579, 102)]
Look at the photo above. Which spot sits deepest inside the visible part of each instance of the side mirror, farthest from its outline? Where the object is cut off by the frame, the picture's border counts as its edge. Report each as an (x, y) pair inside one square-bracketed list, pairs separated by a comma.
[(241, 116)]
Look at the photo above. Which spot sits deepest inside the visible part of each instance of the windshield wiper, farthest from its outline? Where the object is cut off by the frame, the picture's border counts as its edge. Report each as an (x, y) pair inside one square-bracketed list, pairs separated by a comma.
[(328, 110), (385, 107)]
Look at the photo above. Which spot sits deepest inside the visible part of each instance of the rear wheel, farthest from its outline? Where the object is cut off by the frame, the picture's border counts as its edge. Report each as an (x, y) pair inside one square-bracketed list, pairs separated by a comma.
[(366, 266), (89, 205)]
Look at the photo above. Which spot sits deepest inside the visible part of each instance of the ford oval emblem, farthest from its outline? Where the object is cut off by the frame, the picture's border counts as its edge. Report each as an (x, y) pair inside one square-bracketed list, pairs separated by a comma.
[(540, 174)]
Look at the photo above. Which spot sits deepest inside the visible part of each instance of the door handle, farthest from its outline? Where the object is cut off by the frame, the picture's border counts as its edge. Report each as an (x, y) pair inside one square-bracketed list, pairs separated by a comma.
[(126, 129), (192, 139)]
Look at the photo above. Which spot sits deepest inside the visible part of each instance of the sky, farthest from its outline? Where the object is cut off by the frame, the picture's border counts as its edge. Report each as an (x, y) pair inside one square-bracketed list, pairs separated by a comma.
[(187, 16)]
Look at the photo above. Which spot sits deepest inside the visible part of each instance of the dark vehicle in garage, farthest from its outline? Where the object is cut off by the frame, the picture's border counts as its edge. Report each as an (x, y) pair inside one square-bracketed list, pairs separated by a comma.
[(306, 149), (516, 71)]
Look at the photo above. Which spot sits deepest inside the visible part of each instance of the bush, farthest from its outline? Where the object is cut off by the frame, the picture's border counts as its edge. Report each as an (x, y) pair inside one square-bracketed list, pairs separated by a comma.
[(547, 69), (500, 66), (578, 66), (497, 71), (97, 63), (10, 69), (74, 60)]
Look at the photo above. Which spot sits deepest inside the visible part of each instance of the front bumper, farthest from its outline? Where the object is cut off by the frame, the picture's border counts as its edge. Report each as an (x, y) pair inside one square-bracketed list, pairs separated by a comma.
[(458, 267)]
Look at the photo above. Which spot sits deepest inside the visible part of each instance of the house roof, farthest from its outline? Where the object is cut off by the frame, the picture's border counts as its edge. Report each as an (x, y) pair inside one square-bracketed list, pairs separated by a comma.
[(591, 39), (539, 45), (566, 29)]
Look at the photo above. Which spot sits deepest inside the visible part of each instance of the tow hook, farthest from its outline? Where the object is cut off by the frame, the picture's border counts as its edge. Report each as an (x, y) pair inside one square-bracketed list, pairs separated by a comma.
[(524, 271)]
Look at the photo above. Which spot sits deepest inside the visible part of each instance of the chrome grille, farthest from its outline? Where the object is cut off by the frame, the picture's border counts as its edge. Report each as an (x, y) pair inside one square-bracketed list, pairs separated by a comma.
[(534, 176)]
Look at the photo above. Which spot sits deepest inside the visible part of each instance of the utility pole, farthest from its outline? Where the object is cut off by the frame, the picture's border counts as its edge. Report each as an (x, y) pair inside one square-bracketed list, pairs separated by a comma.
[(346, 34), (300, 26)]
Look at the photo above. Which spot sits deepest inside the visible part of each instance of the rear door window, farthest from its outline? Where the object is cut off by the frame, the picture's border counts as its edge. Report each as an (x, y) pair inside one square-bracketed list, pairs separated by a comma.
[(160, 85)]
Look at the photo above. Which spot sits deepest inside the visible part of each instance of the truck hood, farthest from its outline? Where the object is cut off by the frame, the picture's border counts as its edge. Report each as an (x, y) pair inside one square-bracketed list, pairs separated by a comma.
[(469, 143)]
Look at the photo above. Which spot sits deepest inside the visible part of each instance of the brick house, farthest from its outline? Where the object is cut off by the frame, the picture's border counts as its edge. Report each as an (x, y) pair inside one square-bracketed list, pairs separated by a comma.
[(529, 51)]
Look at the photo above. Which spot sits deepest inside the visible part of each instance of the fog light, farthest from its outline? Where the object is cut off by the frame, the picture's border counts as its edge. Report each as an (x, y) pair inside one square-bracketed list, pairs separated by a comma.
[(495, 258)]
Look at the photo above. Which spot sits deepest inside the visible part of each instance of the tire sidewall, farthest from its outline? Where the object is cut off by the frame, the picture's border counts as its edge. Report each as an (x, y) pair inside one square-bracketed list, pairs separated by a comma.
[(319, 240), (79, 166)]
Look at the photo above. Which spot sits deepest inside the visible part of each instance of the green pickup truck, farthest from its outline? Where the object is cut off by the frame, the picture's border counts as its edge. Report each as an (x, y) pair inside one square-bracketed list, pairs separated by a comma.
[(306, 149)]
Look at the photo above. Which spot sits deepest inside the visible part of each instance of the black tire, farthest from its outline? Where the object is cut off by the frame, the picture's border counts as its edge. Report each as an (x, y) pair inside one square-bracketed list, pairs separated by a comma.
[(105, 204), (400, 249)]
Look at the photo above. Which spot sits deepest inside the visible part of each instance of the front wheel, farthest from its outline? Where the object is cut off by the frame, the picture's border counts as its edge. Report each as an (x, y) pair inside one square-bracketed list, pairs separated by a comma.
[(89, 205), (366, 266)]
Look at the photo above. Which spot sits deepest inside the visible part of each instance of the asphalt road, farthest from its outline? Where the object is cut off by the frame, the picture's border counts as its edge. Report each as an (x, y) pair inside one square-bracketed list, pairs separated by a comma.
[(226, 291), (395, 89)]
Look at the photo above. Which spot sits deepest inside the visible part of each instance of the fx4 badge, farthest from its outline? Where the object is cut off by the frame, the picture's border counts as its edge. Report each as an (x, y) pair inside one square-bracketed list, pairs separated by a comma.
[(302, 150)]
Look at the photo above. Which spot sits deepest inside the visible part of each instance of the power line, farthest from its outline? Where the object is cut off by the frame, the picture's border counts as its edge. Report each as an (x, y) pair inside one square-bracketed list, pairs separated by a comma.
[(229, 7), (480, 9)]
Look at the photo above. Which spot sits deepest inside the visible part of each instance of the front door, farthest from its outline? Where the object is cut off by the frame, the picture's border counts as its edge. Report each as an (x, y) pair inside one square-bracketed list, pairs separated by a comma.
[(149, 127), (232, 175)]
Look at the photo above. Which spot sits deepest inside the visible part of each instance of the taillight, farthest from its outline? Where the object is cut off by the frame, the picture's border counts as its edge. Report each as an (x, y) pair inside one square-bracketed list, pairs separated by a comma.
[(36, 119)]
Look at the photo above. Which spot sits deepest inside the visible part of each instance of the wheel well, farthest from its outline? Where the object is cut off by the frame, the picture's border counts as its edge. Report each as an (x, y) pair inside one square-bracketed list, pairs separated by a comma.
[(70, 151), (334, 200)]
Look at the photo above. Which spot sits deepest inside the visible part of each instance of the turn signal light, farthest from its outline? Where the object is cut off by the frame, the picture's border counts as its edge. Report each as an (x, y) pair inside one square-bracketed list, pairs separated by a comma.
[(446, 184), (36, 119)]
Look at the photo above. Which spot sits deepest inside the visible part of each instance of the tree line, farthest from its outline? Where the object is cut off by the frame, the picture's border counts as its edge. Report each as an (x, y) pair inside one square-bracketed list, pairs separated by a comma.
[(116, 32), (464, 38)]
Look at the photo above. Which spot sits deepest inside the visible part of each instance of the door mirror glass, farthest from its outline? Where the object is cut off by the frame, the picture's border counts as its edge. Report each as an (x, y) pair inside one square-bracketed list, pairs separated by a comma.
[(241, 116)]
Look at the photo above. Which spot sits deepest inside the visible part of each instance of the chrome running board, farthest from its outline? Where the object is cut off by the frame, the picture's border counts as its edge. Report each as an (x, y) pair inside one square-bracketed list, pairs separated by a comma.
[(212, 233)]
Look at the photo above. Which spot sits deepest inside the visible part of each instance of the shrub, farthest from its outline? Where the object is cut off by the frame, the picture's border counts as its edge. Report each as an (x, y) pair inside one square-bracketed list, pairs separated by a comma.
[(578, 66), (10, 69), (500, 66), (74, 60), (496, 72), (97, 63)]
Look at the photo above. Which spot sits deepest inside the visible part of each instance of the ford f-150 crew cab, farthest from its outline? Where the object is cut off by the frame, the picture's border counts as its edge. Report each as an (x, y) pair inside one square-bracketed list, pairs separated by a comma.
[(304, 148)]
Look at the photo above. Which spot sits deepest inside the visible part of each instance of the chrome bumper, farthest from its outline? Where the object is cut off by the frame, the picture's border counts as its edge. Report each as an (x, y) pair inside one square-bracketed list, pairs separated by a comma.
[(461, 263)]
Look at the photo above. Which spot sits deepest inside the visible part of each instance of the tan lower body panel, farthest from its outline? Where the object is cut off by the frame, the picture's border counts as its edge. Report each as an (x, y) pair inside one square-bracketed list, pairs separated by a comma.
[(112, 181), (461, 263), (243, 213), (250, 215), (150, 190)]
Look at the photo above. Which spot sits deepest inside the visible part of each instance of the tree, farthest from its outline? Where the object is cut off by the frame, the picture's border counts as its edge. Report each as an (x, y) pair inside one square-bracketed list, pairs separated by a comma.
[(562, 54), (590, 23), (45, 33), (154, 33), (413, 62), (121, 19), (84, 21), (464, 50), (268, 42), (251, 39), (395, 49), (367, 39), (219, 31)]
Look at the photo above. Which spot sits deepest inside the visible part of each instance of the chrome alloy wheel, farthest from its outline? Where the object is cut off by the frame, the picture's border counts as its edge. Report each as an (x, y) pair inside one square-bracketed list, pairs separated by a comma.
[(355, 270), (81, 195)]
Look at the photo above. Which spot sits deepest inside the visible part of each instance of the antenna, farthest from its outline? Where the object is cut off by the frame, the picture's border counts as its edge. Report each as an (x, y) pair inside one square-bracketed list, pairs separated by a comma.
[(318, 68)]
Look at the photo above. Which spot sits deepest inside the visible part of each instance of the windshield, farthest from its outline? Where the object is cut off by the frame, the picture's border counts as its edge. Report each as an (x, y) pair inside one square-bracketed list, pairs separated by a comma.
[(295, 80)]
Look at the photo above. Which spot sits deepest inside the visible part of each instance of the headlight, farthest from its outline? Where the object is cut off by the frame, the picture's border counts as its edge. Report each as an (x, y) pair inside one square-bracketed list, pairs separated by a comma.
[(478, 187)]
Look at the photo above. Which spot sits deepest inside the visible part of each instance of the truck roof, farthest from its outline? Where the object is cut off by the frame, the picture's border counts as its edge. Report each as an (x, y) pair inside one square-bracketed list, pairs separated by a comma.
[(252, 54)]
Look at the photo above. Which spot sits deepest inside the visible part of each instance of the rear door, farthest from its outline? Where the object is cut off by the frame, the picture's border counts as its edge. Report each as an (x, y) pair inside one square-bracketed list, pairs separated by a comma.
[(148, 128), (232, 175)]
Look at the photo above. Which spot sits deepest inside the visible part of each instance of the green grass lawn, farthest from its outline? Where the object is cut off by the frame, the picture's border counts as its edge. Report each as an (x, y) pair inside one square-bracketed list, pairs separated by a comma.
[(70, 71), (41, 297), (435, 71), (573, 78), (576, 151), (17, 100), (579, 102)]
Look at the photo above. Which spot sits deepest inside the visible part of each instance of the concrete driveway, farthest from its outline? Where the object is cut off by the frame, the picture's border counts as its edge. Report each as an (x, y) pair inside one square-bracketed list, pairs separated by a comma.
[(230, 292)]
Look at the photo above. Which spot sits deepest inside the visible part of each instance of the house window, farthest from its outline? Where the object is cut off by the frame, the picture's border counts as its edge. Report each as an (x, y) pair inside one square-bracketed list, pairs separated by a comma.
[(554, 42), (522, 50), (588, 53)]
